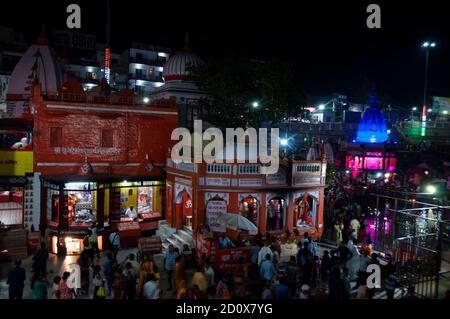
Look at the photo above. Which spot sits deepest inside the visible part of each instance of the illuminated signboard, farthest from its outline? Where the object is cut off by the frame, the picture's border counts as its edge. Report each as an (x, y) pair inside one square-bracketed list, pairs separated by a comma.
[(107, 63), (16, 163)]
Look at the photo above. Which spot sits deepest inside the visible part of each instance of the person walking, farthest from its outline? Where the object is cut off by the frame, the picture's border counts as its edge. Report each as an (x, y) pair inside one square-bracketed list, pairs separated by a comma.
[(65, 292), (338, 228), (40, 288), (119, 286), (94, 239), (84, 263), (179, 273), (146, 268), (40, 260), (346, 283), (200, 280), (114, 240), (108, 270), (292, 275), (325, 265), (151, 289), (263, 253), (16, 279), (267, 270), (353, 264), (209, 272), (88, 248), (131, 275), (169, 264), (55, 287), (99, 284)]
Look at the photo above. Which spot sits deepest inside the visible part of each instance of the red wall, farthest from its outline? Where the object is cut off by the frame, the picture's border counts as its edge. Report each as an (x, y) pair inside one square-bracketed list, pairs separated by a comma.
[(137, 131)]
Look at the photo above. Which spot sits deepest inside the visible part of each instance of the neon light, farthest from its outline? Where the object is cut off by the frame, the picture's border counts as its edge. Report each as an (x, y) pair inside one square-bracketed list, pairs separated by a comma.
[(424, 120), (374, 154), (107, 64), (373, 163)]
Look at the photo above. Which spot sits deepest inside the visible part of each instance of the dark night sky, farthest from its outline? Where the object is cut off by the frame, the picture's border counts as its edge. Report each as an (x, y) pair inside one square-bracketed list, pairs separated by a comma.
[(328, 43)]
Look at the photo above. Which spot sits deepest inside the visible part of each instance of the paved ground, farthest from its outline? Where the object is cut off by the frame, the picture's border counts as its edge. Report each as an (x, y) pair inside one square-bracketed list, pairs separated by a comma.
[(57, 265)]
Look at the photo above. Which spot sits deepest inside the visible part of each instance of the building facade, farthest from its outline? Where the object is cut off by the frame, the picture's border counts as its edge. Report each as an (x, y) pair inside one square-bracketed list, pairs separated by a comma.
[(291, 200)]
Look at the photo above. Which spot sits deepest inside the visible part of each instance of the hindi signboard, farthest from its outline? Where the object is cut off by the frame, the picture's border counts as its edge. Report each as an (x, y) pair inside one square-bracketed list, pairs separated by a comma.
[(214, 209)]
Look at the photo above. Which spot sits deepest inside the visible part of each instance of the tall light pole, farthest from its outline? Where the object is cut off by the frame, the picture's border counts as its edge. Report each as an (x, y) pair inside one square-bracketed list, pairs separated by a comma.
[(427, 46), (412, 113)]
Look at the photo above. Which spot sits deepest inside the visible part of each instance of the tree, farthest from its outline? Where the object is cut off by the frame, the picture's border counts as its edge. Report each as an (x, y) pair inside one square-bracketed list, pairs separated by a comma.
[(244, 92)]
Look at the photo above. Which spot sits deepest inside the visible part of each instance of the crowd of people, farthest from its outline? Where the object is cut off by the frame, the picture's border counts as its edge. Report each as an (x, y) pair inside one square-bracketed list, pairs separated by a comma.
[(308, 273)]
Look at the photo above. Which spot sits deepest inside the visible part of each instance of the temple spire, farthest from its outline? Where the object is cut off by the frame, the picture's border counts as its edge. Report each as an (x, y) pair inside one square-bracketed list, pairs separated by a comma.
[(373, 97), (187, 45)]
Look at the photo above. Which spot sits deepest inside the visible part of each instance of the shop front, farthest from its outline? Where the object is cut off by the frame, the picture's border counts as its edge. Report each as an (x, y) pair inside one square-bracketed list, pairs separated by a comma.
[(72, 208)]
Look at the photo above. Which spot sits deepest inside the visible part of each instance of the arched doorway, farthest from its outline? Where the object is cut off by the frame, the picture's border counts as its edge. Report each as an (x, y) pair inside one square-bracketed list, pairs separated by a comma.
[(183, 203), (305, 210), (249, 208), (276, 214)]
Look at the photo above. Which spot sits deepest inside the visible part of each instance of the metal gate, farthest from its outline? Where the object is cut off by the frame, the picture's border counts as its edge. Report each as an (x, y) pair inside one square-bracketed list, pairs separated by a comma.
[(415, 235)]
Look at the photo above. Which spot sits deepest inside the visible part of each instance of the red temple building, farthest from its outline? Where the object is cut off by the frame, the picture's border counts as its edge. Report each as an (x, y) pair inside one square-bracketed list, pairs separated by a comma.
[(289, 201)]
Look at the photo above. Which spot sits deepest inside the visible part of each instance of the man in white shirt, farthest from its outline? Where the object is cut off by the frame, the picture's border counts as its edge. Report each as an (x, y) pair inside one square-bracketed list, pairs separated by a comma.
[(151, 290), (355, 226), (263, 252), (131, 213)]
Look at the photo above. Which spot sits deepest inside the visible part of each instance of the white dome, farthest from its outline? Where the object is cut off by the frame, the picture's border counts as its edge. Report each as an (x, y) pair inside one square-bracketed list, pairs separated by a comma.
[(176, 66), (49, 72)]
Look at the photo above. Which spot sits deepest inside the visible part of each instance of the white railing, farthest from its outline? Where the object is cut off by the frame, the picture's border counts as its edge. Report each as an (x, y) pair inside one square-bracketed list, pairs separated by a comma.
[(249, 169), (218, 168), (307, 168)]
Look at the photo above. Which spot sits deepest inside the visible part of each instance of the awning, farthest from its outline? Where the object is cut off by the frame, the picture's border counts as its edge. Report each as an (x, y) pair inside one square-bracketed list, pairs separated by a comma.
[(236, 221)]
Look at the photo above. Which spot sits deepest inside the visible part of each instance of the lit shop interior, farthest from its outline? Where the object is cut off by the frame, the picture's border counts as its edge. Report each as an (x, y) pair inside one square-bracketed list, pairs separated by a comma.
[(107, 204), (11, 205)]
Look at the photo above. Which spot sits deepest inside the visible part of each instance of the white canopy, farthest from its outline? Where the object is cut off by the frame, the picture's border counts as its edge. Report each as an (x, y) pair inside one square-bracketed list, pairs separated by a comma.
[(236, 221)]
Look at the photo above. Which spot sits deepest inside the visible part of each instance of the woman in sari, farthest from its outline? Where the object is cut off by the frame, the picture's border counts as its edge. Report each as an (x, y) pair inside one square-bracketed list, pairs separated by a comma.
[(145, 270), (179, 275)]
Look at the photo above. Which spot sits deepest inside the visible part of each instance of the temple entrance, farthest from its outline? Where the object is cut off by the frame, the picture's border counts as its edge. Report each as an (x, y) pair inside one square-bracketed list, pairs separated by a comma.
[(305, 211), (249, 208), (276, 214), (183, 204)]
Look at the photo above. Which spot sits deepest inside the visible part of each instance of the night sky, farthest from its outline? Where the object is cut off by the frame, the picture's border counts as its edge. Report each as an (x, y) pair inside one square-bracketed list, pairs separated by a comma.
[(329, 44)]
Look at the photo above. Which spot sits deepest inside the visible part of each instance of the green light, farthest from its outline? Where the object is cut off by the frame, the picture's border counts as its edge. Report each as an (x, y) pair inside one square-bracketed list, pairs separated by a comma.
[(431, 189), (422, 131)]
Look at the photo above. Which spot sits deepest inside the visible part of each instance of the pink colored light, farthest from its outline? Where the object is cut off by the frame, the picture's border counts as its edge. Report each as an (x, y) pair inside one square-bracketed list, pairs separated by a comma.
[(374, 154), (373, 163)]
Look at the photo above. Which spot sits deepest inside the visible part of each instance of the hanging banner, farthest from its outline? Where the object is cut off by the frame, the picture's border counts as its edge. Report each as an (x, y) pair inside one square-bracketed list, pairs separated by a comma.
[(214, 209)]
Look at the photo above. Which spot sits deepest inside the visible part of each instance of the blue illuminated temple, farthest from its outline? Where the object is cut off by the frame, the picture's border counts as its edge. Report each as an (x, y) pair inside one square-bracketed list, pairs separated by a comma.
[(372, 128)]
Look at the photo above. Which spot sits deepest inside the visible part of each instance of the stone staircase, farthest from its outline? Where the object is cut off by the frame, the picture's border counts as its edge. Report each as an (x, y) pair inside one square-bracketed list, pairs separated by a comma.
[(176, 237)]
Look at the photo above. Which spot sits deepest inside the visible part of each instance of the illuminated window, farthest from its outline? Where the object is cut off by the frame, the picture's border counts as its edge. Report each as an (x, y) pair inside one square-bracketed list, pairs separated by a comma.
[(56, 136), (107, 138), (373, 163)]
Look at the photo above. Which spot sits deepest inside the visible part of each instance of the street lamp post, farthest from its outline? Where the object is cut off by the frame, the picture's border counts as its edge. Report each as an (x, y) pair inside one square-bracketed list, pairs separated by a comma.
[(427, 46), (412, 113)]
